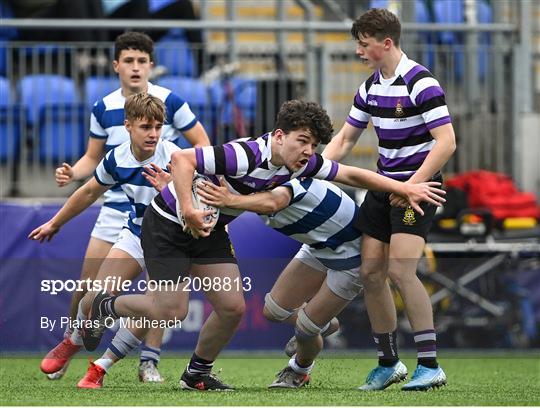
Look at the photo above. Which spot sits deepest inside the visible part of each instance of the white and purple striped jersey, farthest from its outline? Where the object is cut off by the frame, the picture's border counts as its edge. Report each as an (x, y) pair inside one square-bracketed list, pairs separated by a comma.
[(107, 122), (120, 167), (245, 164), (322, 216), (403, 110)]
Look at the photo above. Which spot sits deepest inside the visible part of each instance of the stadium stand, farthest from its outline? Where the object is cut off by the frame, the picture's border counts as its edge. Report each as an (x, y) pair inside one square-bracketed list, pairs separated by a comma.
[(10, 124), (195, 93), (96, 88), (56, 118), (174, 53), (235, 99)]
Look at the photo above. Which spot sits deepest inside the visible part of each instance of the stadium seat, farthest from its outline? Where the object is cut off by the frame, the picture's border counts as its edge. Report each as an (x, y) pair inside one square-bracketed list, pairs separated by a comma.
[(37, 91), (95, 88), (235, 102), (52, 107), (485, 16), (174, 53), (446, 11), (195, 93), (156, 5), (3, 57), (190, 89), (10, 124), (61, 132), (6, 34), (427, 39), (243, 95)]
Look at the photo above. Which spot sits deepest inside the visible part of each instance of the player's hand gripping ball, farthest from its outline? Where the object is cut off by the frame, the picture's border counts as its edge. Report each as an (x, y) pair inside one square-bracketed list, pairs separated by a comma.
[(198, 204)]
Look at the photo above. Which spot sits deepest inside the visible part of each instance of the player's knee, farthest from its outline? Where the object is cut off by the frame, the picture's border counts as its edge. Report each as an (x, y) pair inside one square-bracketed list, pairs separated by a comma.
[(273, 311), (401, 278), (333, 327), (372, 275), (233, 311), (306, 328)]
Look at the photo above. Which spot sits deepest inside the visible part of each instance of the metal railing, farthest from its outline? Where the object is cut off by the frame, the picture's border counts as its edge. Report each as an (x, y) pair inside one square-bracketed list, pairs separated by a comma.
[(482, 101)]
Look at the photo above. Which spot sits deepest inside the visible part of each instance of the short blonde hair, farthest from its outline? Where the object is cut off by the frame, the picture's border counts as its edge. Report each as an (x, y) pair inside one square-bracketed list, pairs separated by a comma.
[(144, 106)]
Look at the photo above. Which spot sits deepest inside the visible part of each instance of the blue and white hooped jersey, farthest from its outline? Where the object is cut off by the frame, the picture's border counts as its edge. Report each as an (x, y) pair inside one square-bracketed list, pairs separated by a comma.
[(120, 167), (322, 216), (107, 122)]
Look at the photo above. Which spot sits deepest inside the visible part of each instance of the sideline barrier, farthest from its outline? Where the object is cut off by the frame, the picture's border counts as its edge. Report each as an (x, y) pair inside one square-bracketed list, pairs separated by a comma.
[(262, 253)]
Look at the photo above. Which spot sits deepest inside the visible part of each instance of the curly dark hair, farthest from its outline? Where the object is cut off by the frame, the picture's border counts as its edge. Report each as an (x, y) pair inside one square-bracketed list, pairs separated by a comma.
[(133, 40), (379, 23), (297, 114)]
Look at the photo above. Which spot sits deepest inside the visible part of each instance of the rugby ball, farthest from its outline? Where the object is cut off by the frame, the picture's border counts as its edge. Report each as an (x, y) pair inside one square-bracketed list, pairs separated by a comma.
[(198, 204)]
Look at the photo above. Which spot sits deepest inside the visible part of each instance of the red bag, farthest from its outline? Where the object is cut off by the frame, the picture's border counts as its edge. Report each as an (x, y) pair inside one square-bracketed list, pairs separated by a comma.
[(496, 192)]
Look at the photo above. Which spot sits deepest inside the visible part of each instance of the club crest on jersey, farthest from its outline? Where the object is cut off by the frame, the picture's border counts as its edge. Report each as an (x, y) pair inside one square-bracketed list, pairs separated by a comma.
[(399, 109), (408, 217)]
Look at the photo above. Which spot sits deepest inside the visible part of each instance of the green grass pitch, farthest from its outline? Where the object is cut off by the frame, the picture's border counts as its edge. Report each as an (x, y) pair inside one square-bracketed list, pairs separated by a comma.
[(490, 379)]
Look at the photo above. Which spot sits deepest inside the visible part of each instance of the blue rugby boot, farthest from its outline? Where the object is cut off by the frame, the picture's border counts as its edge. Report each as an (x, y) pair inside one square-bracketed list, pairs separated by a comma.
[(425, 378), (382, 377)]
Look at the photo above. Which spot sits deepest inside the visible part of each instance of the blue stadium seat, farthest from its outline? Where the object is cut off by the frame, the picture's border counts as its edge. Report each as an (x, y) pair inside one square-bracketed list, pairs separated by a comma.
[(422, 15), (156, 5), (451, 11), (3, 57), (6, 34), (194, 92), (95, 88), (36, 91), (62, 132), (190, 89), (174, 52), (52, 107), (244, 96), (428, 38), (10, 124), (485, 16)]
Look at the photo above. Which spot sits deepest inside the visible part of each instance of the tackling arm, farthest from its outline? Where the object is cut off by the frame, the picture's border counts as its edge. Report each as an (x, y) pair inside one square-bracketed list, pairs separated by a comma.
[(268, 202), (413, 193)]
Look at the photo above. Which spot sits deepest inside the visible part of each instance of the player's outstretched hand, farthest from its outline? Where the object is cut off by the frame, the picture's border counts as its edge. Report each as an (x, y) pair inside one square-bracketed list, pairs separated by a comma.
[(44, 232), (63, 175), (157, 176), (427, 192), (217, 196)]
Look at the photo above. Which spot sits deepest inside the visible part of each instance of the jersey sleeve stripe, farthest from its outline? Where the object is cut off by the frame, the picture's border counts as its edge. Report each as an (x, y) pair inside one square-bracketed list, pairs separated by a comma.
[(333, 170), (253, 155), (438, 122), (230, 158), (435, 113), (356, 123), (183, 117), (220, 160), (103, 183), (189, 125), (199, 158)]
